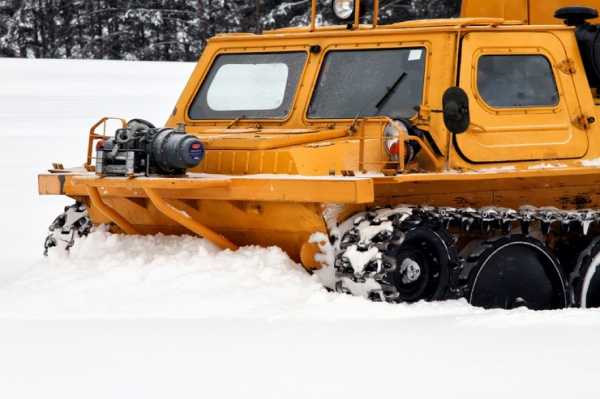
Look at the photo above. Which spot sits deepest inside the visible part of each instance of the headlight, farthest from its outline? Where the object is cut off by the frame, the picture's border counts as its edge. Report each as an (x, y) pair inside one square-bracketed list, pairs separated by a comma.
[(343, 9), (392, 139)]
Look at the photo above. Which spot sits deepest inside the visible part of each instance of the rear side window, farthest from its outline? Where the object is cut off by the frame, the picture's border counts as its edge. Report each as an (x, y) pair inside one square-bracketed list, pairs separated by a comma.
[(516, 81)]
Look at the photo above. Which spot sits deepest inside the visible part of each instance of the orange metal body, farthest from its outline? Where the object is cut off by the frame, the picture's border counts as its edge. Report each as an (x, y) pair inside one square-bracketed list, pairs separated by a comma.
[(534, 12), (276, 182)]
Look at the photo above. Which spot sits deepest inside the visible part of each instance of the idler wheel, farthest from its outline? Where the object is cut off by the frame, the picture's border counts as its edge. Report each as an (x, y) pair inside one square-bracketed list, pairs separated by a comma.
[(585, 279), (517, 271), (422, 264)]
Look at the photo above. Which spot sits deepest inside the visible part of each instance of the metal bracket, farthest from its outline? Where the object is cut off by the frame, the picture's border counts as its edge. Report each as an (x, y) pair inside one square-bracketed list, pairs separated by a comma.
[(583, 121), (567, 66)]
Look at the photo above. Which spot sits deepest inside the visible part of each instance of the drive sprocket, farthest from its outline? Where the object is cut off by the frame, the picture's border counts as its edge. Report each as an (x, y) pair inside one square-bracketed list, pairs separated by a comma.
[(396, 255)]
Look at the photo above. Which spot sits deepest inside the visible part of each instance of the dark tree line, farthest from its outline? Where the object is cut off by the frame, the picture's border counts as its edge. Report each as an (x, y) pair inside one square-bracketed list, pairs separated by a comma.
[(160, 29)]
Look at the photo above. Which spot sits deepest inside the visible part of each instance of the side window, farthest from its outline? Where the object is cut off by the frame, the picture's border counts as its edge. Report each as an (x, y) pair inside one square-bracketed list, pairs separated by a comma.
[(510, 81)]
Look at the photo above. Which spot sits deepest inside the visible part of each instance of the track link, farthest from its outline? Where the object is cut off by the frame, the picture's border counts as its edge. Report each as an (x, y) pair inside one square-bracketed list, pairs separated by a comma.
[(74, 222), (367, 246)]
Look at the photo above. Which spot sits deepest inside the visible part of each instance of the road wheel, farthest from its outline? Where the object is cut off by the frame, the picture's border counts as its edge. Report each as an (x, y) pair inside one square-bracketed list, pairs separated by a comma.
[(585, 279), (516, 271)]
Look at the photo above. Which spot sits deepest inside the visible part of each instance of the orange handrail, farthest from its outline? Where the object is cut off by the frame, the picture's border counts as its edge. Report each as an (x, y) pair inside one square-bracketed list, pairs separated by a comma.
[(313, 15), (92, 136), (375, 13)]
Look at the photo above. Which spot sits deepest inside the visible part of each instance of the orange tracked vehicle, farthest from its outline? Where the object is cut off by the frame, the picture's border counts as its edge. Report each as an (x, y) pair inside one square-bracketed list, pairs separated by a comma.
[(421, 160)]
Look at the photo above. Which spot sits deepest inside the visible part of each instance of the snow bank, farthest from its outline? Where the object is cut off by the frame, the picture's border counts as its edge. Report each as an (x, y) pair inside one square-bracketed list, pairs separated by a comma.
[(114, 276), (159, 316), (107, 276)]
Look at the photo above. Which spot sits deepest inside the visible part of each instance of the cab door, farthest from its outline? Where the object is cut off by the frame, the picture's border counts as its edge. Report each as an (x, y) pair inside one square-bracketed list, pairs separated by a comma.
[(523, 106)]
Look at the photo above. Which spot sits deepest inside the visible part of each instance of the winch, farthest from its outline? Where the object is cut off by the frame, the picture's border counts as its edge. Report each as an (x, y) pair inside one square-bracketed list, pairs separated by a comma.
[(141, 148)]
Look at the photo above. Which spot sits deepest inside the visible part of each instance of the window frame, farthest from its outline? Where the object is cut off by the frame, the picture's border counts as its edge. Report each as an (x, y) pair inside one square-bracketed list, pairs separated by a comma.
[(515, 109), (236, 51), (426, 46)]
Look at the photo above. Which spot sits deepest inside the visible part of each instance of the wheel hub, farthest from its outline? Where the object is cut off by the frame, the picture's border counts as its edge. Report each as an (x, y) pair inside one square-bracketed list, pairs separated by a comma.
[(410, 270)]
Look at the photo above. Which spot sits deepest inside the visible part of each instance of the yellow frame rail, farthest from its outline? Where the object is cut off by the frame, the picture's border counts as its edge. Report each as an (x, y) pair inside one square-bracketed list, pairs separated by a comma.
[(187, 221), (110, 213)]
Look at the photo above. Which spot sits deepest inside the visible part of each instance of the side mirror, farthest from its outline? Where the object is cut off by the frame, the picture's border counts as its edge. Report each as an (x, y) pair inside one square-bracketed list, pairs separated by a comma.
[(456, 110)]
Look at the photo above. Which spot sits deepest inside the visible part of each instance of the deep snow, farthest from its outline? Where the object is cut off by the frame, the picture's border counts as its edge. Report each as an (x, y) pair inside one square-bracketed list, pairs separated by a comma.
[(156, 317)]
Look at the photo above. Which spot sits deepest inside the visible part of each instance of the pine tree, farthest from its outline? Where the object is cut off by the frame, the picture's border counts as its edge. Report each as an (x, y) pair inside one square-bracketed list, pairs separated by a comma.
[(163, 29), (8, 10)]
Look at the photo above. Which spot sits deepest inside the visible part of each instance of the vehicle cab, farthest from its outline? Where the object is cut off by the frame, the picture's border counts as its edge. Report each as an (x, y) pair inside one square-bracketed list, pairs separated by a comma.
[(367, 98)]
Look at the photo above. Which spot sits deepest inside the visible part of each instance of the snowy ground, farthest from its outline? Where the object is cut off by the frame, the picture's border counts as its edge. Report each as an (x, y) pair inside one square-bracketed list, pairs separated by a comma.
[(156, 317)]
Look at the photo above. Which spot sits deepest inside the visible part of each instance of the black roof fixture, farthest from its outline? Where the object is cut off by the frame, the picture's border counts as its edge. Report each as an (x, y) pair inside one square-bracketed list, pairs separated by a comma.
[(575, 15), (588, 38)]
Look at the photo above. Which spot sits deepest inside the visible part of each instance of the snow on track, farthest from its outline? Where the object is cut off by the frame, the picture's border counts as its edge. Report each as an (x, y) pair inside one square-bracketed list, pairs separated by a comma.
[(156, 317)]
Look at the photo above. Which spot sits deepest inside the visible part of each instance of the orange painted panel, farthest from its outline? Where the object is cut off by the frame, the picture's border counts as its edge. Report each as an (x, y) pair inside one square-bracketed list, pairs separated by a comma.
[(533, 12), (519, 133)]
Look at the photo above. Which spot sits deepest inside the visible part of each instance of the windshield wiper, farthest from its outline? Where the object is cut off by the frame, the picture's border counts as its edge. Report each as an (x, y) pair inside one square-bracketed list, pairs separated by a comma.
[(390, 91), (381, 103), (235, 121)]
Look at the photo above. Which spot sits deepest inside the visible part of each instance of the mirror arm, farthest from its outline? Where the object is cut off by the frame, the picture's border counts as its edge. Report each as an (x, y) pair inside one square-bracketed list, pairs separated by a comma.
[(418, 108)]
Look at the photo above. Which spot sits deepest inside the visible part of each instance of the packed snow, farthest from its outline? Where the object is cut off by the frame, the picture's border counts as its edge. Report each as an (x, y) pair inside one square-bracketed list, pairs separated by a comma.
[(545, 165), (592, 163), (160, 316)]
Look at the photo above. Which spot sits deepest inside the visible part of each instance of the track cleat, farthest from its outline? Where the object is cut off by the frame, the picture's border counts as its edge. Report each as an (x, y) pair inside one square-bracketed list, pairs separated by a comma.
[(73, 223)]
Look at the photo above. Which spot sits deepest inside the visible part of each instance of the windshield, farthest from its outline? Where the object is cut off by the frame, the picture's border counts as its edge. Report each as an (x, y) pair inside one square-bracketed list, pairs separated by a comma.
[(260, 85), (369, 83)]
